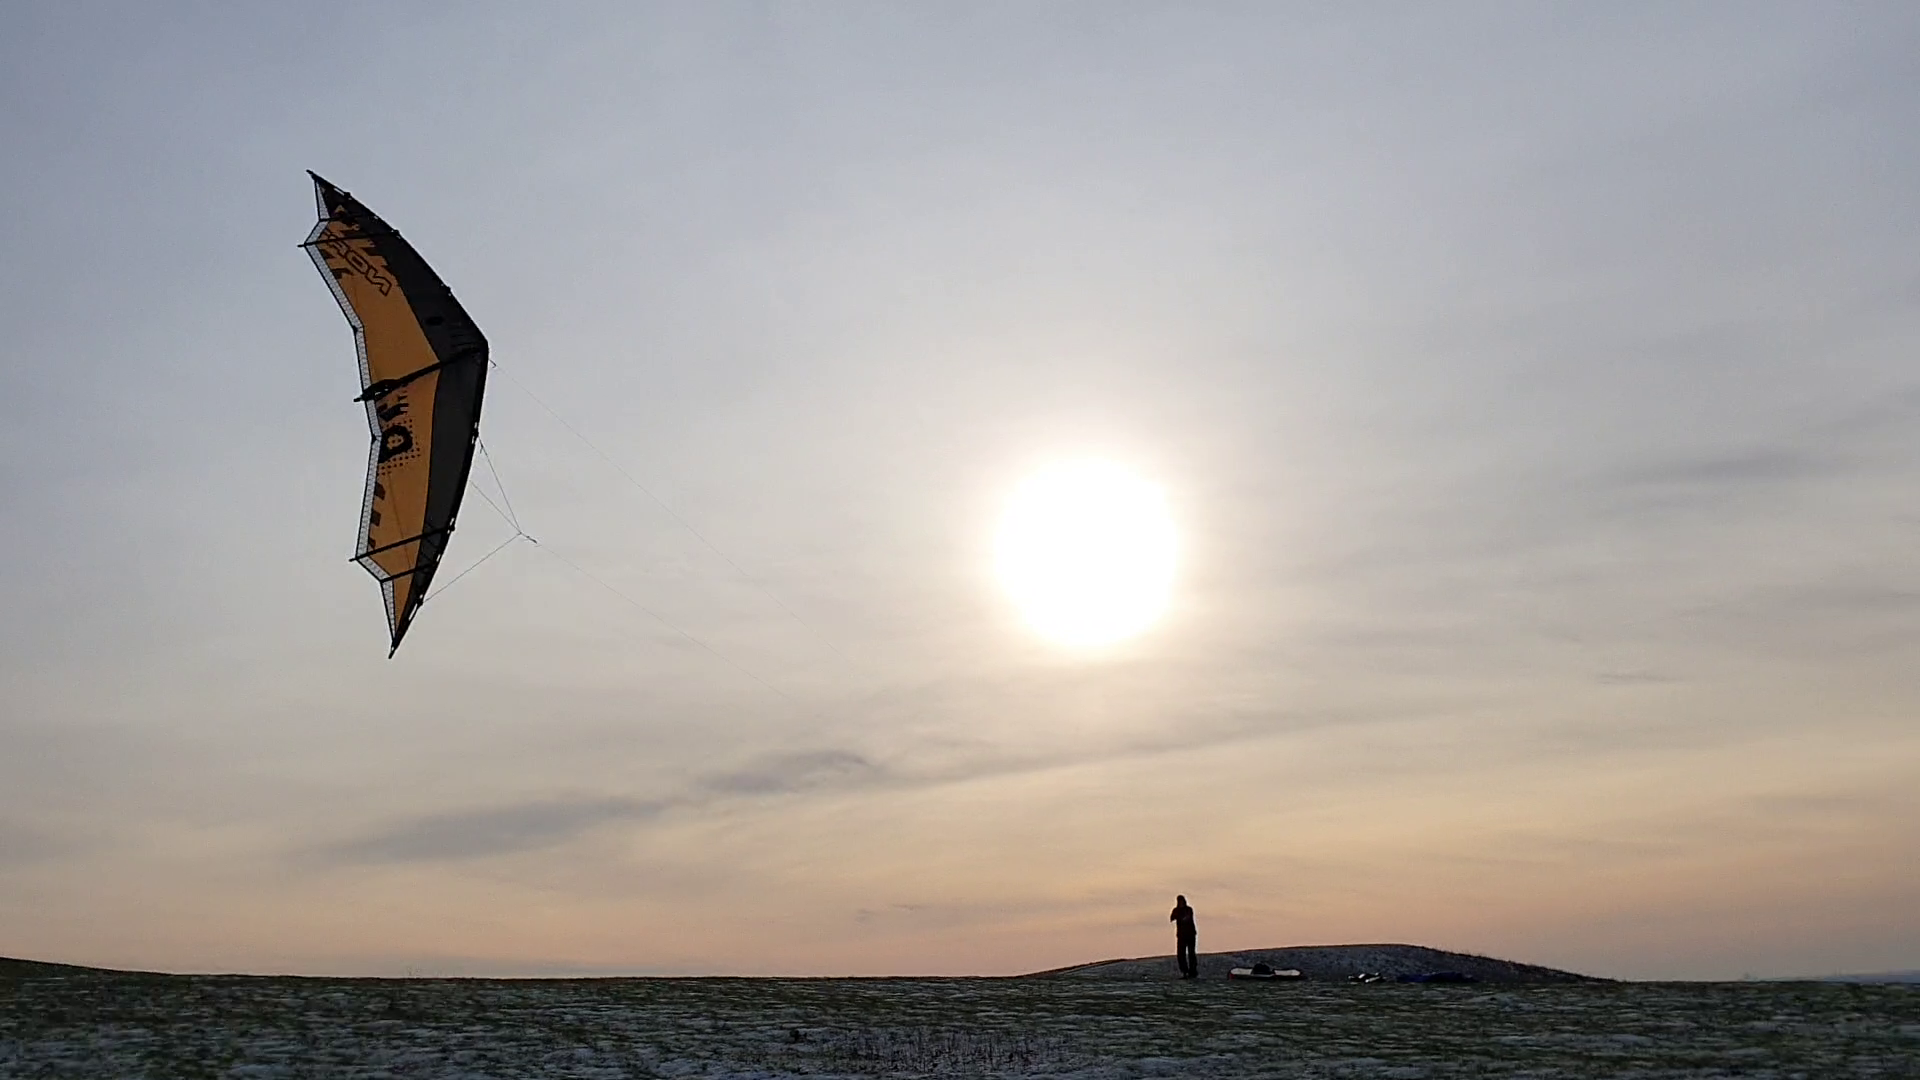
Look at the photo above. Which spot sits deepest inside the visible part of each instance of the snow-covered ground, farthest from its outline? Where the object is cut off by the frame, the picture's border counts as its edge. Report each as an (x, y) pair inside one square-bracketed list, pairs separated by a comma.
[(99, 1025)]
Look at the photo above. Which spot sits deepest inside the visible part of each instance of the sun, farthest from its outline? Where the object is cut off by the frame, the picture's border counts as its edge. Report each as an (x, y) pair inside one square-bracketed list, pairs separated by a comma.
[(1087, 551)]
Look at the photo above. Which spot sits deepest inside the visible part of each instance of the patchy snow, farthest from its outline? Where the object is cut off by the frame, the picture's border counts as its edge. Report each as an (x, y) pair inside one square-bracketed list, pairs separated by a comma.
[(108, 1025)]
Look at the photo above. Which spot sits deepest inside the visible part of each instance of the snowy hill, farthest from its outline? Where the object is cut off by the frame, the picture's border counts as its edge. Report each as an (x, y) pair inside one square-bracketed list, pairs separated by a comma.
[(1329, 962)]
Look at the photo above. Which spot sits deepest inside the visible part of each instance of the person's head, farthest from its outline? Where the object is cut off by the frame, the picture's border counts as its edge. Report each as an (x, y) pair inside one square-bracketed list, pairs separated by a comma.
[(1179, 899)]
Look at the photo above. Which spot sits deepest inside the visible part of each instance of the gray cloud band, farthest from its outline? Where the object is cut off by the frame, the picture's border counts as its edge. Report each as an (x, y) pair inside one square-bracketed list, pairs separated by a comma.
[(534, 825)]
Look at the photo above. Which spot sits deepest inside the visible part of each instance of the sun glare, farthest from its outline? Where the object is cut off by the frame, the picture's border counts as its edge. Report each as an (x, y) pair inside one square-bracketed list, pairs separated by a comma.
[(1087, 552)]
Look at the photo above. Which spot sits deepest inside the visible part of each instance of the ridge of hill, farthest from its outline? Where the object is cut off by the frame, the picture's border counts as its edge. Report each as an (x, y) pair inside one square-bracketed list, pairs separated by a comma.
[(12, 968), (1318, 962), (1328, 962)]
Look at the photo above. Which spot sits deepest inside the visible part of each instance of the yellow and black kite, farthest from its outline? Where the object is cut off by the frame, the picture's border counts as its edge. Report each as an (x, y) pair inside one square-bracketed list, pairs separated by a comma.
[(423, 369)]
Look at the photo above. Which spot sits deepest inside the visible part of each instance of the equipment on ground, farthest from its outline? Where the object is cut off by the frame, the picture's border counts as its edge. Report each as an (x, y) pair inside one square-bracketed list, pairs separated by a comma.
[(1265, 973)]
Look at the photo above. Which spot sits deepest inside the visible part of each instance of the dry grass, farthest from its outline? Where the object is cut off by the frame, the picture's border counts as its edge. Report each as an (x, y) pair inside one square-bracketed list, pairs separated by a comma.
[(94, 1025)]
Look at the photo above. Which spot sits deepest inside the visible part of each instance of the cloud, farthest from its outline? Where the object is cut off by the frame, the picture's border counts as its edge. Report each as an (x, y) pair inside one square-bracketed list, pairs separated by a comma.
[(1854, 614), (1633, 678), (538, 824), (485, 833), (21, 844), (1854, 597), (535, 825), (1772, 465), (793, 773)]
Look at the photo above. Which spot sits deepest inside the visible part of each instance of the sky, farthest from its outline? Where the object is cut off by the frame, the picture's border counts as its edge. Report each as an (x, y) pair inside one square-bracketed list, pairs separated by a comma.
[(1534, 388)]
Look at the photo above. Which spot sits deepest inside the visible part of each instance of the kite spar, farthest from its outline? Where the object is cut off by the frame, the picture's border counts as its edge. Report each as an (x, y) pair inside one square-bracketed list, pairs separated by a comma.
[(423, 371)]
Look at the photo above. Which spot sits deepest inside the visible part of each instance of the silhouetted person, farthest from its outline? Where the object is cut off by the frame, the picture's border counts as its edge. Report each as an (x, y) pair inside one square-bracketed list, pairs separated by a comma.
[(1185, 937)]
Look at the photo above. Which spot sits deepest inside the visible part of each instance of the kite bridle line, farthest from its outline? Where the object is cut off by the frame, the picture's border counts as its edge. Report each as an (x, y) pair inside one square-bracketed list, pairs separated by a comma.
[(513, 519), (507, 515)]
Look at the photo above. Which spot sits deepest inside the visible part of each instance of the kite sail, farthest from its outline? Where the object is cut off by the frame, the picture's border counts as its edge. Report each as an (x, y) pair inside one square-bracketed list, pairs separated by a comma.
[(423, 370)]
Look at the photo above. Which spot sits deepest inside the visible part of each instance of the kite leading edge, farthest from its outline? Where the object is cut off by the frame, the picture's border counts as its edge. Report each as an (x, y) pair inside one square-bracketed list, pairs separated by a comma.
[(423, 371)]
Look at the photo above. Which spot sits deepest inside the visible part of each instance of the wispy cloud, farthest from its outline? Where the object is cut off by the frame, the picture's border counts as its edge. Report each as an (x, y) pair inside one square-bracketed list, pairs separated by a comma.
[(503, 830), (792, 773), (1633, 678), (21, 844), (517, 828), (534, 825), (1768, 465)]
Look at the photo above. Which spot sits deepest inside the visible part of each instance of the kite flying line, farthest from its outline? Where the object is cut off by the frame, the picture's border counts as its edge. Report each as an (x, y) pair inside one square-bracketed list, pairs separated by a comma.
[(663, 621), (455, 580), (669, 511), (507, 514)]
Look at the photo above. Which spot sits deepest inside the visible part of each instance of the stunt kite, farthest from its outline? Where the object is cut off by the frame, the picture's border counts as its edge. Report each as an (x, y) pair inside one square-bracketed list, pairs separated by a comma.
[(423, 370)]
